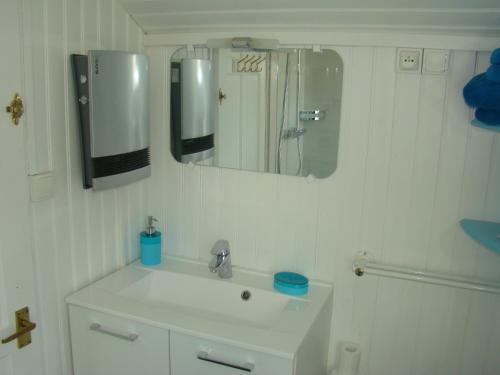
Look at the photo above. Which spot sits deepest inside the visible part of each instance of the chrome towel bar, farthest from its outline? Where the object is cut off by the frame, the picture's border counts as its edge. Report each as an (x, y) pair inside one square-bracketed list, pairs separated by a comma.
[(362, 265)]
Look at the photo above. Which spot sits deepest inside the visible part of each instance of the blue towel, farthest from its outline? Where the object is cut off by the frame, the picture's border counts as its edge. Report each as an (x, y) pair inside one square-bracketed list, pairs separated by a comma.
[(495, 57), (488, 116), (482, 93), (493, 73)]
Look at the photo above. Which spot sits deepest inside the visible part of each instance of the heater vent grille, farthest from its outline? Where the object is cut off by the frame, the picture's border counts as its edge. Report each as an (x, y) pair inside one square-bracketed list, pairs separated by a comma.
[(194, 145), (115, 164)]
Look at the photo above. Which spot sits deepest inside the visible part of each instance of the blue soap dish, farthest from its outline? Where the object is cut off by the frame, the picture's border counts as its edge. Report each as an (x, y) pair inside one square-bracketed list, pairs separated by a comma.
[(291, 283)]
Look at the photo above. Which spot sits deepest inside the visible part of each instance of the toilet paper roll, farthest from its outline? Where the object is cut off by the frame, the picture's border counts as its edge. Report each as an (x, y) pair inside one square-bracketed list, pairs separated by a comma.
[(350, 355)]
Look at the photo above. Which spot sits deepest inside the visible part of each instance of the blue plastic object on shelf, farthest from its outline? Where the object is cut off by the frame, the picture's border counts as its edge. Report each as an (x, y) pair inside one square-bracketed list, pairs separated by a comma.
[(487, 233), (291, 283), (482, 125)]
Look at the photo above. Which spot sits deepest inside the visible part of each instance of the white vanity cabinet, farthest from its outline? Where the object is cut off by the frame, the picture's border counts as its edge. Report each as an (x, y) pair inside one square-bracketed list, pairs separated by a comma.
[(105, 344), (159, 321)]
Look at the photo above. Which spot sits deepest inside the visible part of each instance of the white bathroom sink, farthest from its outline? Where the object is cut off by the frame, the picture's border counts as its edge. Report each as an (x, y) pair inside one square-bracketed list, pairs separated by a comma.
[(210, 299), (186, 297)]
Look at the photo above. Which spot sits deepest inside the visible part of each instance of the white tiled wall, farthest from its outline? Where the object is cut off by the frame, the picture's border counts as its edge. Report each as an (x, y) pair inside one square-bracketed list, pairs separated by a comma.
[(410, 167)]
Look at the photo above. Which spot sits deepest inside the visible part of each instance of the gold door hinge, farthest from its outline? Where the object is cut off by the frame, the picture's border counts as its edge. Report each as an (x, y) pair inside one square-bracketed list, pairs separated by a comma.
[(23, 329), (16, 109)]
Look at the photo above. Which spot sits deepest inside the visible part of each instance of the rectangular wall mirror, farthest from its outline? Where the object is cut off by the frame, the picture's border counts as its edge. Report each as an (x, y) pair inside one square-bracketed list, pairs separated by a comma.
[(264, 109)]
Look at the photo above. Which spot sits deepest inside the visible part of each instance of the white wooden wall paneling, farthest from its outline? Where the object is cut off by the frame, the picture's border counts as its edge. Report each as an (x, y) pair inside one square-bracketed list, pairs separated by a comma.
[(410, 166), (79, 235), (375, 190)]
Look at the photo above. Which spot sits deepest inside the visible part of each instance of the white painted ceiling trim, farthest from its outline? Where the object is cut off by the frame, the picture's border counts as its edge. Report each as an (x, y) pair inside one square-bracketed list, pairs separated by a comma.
[(334, 38), (478, 17)]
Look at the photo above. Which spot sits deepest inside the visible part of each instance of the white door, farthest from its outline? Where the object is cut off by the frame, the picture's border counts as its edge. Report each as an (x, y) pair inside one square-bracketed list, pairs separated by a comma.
[(17, 287), (241, 128)]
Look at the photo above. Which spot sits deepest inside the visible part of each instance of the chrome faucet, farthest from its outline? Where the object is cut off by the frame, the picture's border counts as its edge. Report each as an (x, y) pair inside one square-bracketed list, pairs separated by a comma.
[(221, 263)]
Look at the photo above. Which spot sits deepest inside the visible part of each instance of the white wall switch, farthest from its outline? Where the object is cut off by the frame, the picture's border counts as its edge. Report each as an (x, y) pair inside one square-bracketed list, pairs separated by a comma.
[(435, 61), (42, 186), (409, 60)]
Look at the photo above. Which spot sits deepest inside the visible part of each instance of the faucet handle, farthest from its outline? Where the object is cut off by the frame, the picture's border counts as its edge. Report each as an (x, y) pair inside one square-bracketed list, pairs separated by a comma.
[(221, 247)]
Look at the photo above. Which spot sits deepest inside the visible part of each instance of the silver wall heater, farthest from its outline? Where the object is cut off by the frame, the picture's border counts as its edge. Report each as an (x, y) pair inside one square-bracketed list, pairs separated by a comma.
[(112, 88), (193, 99)]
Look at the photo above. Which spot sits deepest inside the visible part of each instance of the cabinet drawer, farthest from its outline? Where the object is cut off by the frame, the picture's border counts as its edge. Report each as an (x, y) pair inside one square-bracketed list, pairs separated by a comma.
[(104, 344), (195, 356)]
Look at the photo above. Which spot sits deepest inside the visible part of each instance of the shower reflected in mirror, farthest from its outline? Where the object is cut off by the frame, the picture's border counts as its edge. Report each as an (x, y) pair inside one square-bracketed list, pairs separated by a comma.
[(265, 110)]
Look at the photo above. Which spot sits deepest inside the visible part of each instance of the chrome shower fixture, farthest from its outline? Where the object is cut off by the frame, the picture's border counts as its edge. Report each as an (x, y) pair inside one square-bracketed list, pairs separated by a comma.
[(312, 115), (294, 133)]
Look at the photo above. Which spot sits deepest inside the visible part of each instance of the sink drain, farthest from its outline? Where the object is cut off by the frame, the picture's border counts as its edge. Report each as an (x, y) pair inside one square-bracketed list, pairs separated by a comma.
[(245, 295)]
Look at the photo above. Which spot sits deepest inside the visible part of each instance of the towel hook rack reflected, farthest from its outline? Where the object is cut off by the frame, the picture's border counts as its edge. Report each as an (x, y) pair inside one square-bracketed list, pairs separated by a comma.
[(248, 64), (241, 61), (256, 64)]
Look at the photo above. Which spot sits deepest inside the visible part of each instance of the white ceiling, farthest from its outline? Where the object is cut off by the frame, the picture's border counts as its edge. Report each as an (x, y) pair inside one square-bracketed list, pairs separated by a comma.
[(446, 16)]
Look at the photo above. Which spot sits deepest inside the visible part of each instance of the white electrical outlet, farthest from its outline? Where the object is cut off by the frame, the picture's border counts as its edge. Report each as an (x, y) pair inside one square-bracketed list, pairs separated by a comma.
[(409, 60)]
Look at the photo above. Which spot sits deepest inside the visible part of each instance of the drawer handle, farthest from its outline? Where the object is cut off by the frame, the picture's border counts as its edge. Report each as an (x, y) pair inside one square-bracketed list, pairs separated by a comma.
[(129, 337), (248, 367)]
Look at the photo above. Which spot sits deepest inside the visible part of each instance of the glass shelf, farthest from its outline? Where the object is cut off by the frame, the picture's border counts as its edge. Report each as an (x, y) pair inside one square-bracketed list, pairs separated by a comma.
[(487, 233), (482, 125)]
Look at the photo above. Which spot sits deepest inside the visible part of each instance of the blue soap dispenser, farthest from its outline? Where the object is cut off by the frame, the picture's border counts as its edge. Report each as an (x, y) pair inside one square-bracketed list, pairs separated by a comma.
[(150, 244)]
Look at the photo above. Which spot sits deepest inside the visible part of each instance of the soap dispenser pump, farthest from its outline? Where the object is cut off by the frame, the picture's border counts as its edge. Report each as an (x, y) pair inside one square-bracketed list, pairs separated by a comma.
[(151, 230), (150, 241)]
